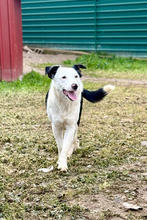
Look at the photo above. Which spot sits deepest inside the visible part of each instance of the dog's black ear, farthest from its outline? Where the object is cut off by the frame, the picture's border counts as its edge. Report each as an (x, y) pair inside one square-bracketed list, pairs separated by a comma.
[(77, 68), (51, 71)]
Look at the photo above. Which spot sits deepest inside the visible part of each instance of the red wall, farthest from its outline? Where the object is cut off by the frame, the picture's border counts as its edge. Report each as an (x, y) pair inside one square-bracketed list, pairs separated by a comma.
[(10, 39)]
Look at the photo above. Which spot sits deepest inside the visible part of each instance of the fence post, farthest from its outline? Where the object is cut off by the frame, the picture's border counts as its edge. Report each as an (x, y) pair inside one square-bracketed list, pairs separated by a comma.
[(10, 39)]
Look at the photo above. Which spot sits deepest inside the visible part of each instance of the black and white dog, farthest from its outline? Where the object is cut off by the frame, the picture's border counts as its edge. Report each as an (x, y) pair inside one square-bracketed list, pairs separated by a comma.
[(64, 105)]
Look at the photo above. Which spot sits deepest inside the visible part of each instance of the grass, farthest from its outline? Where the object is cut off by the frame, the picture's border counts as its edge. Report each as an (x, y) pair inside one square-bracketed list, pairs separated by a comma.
[(111, 163), (111, 66), (41, 65), (30, 82)]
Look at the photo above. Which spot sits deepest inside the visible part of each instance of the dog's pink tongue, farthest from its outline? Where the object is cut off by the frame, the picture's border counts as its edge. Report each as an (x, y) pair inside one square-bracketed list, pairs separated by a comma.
[(72, 95)]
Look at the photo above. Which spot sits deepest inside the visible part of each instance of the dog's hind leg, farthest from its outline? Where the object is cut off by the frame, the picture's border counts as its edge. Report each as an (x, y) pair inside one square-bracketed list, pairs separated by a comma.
[(76, 141), (58, 134), (75, 144), (67, 145)]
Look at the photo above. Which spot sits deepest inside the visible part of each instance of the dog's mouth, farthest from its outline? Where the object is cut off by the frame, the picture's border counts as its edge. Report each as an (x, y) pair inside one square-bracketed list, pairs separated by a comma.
[(70, 94)]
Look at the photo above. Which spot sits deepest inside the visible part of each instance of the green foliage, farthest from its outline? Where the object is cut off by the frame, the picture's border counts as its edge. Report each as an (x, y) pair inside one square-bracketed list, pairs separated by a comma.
[(96, 61), (113, 64), (31, 81)]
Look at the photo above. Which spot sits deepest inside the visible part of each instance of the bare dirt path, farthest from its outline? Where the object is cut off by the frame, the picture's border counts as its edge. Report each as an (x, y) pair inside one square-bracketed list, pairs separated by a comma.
[(32, 59), (116, 81)]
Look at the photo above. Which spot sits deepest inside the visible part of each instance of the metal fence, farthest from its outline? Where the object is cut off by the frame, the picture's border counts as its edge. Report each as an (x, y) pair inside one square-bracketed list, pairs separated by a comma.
[(96, 25)]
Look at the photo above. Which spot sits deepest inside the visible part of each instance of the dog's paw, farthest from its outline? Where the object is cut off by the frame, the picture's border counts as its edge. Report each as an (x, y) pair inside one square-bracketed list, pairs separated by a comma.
[(70, 153), (76, 145), (62, 166)]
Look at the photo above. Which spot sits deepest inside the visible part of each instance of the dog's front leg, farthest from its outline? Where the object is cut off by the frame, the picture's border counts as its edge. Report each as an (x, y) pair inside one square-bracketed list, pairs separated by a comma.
[(67, 144), (58, 134)]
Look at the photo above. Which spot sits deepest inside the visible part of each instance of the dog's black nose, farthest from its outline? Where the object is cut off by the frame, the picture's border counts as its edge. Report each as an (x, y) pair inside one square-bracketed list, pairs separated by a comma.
[(74, 86)]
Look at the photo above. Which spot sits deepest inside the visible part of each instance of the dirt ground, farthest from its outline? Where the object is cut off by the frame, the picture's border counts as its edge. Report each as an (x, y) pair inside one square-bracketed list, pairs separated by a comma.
[(30, 59)]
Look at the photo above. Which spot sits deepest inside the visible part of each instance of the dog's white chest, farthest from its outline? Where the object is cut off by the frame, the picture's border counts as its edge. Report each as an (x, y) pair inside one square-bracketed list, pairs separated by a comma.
[(63, 114)]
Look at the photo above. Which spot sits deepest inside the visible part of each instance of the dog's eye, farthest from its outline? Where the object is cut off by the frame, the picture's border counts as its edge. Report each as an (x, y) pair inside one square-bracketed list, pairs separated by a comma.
[(63, 77), (76, 76)]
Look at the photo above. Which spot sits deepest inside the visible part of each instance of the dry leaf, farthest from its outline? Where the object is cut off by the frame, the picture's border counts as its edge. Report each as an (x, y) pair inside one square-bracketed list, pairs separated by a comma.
[(129, 206), (46, 170)]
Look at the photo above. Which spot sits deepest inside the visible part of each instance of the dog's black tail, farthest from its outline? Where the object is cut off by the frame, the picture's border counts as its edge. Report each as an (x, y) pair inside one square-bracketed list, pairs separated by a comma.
[(98, 95)]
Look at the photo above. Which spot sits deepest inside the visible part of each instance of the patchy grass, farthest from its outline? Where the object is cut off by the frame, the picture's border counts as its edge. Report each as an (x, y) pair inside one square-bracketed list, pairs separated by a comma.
[(42, 65), (109, 168), (30, 82), (111, 66)]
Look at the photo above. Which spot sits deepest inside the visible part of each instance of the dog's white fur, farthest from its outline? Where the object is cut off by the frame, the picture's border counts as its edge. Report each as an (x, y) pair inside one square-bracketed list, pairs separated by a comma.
[(64, 113)]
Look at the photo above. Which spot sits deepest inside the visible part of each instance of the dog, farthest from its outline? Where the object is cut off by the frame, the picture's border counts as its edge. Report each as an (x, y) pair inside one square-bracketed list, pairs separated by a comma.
[(64, 107)]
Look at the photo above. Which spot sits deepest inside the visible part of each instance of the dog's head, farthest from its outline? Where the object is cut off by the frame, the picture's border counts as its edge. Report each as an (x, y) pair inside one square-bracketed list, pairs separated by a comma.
[(67, 80)]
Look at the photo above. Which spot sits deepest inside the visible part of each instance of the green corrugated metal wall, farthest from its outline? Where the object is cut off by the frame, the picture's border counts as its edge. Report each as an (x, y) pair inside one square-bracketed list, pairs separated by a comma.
[(65, 24), (102, 25), (122, 26)]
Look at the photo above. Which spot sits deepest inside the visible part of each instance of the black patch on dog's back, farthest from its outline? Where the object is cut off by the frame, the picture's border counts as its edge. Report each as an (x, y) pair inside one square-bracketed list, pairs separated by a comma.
[(46, 98), (81, 105)]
